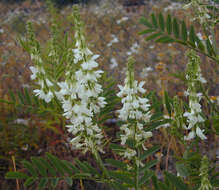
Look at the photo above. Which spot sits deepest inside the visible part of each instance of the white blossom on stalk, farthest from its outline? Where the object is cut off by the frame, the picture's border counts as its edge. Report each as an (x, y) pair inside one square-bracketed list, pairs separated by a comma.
[(80, 95), (194, 116), (135, 109), (200, 10), (38, 73)]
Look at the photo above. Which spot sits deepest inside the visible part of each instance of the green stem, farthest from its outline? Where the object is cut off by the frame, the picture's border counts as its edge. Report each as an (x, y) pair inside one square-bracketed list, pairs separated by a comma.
[(137, 170), (214, 43)]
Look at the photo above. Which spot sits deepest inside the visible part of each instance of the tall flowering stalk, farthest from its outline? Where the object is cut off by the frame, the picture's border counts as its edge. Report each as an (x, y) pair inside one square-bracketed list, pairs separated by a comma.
[(201, 12), (206, 13), (39, 74), (80, 94), (135, 111), (194, 116)]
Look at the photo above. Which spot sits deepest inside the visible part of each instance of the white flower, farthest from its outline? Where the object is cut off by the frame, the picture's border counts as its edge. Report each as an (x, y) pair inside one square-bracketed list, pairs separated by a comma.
[(77, 55), (134, 108), (199, 133), (80, 97), (34, 71), (36, 57), (49, 83), (194, 117), (129, 153), (147, 135), (90, 64), (114, 63), (42, 95), (190, 136), (202, 79)]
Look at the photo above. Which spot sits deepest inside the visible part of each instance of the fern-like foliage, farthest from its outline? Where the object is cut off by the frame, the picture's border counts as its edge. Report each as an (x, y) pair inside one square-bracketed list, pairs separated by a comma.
[(171, 182), (25, 101), (170, 30), (47, 172), (124, 175)]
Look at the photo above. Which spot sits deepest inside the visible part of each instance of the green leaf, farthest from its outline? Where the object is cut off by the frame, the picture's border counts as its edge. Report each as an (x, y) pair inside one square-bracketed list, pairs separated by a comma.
[(16, 175), (29, 181), (40, 167), (154, 125), (67, 167), (5, 101), (21, 98), (116, 163), (215, 182), (154, 20), (42, 184), (56, 163), (27, 96), (169, 24), (91, 169), (54, 182), (175, 28), (149, 152), (157, 116), (12, 96), (210, 47), (155, 182), (144, 21), (148, 165), (153, 36), (145, 178), (182, 170), (184, 31), (167, 102), (165, 39), (199, 43), (150, 30), (192, 36), (82, 175), (122, 177), (117, 148), (36, 101), (82, 166), (182, 42), (30, 168), (161, 22), (47, 165), (177, 182), (69, 164)]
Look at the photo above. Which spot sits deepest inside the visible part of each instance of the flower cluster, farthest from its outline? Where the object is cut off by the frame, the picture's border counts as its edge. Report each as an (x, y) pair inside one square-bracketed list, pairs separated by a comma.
[(38, 72), (135, 111), (194, 116), (80, 95), (200, 9)]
